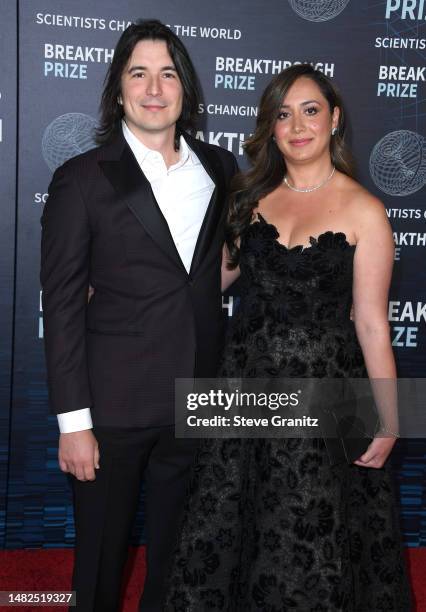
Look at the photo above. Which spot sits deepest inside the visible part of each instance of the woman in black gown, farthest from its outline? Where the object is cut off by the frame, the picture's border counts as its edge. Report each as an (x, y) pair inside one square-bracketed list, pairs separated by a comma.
[(271, 524)]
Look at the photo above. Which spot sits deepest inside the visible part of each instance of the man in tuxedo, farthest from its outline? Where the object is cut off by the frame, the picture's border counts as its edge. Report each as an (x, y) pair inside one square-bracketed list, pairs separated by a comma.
[(139, 219)]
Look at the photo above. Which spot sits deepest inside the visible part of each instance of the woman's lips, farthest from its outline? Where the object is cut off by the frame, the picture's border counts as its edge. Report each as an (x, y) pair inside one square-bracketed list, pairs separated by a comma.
[(300, 142)]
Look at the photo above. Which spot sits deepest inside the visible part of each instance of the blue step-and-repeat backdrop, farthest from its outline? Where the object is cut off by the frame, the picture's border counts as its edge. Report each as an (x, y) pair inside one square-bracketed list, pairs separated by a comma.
[(54, 56)]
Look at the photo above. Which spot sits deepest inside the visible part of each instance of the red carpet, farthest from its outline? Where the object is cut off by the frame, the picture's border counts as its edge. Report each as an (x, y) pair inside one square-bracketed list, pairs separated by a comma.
[(50, 570)]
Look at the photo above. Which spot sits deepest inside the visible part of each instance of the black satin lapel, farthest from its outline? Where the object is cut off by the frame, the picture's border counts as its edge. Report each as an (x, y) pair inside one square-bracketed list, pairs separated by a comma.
[(214, 211), (132, 187)]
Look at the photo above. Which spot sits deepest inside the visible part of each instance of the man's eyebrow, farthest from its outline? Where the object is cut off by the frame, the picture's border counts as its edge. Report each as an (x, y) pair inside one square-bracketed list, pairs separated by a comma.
[(162, 69), (302, 103)]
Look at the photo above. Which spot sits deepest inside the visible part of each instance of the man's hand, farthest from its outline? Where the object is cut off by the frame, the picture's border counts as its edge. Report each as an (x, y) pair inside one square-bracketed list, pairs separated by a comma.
[(79, 454), (377, 452)]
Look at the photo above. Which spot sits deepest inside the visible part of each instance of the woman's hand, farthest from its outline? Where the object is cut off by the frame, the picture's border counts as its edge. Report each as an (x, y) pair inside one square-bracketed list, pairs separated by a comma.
[(377, 452)]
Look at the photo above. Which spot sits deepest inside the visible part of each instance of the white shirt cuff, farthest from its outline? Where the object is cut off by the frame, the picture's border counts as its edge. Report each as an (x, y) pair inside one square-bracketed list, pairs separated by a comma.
[(76, 420)]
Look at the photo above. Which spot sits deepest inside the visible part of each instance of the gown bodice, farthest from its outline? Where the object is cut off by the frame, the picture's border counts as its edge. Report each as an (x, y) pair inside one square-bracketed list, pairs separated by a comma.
[(298, 285), (293, 319)]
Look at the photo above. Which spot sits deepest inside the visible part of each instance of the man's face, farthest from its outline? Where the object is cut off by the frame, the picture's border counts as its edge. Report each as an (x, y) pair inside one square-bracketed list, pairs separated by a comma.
[(151, 91)]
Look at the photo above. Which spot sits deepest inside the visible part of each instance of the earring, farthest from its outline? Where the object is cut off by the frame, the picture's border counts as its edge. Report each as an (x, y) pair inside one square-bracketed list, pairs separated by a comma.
[(273, 138), (334, 131), (120, 100)]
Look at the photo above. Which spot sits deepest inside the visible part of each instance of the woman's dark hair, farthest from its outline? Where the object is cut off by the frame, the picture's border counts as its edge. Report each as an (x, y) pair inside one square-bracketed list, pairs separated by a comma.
[(112, 112), (268, 165)]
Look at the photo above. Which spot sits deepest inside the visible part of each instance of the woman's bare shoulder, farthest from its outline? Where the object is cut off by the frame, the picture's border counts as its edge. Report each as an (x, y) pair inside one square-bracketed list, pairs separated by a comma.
[(361, 204)]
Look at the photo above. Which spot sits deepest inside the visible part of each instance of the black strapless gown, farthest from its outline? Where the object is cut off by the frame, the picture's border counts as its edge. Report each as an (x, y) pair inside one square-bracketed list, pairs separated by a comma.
[(270, 525)]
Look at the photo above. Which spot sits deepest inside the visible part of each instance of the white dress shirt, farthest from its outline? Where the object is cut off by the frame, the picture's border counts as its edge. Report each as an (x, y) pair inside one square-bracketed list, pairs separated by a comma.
[(184, 214)]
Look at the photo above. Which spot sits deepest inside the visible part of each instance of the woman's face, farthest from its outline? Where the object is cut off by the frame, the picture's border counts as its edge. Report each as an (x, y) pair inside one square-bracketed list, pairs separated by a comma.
[(303, 127)]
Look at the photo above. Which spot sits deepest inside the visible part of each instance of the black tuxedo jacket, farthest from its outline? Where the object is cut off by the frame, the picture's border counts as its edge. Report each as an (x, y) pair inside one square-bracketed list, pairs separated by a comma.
[(149, 321)]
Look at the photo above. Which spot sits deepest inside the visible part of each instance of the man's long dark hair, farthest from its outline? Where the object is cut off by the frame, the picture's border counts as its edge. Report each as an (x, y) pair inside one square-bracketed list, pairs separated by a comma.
[(112, 112), (268, 166)]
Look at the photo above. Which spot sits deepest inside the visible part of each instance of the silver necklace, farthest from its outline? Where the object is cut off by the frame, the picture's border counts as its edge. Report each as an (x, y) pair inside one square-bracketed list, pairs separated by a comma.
[(309, 189)]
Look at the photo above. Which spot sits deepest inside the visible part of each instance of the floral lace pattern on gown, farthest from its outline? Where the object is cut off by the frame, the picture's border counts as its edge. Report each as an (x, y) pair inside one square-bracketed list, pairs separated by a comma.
[(270, 525)]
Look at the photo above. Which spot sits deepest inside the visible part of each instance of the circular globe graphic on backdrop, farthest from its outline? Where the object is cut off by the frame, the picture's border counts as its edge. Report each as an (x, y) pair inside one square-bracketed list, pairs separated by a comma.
[(398, 163), (318, 10), (67, 136)]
